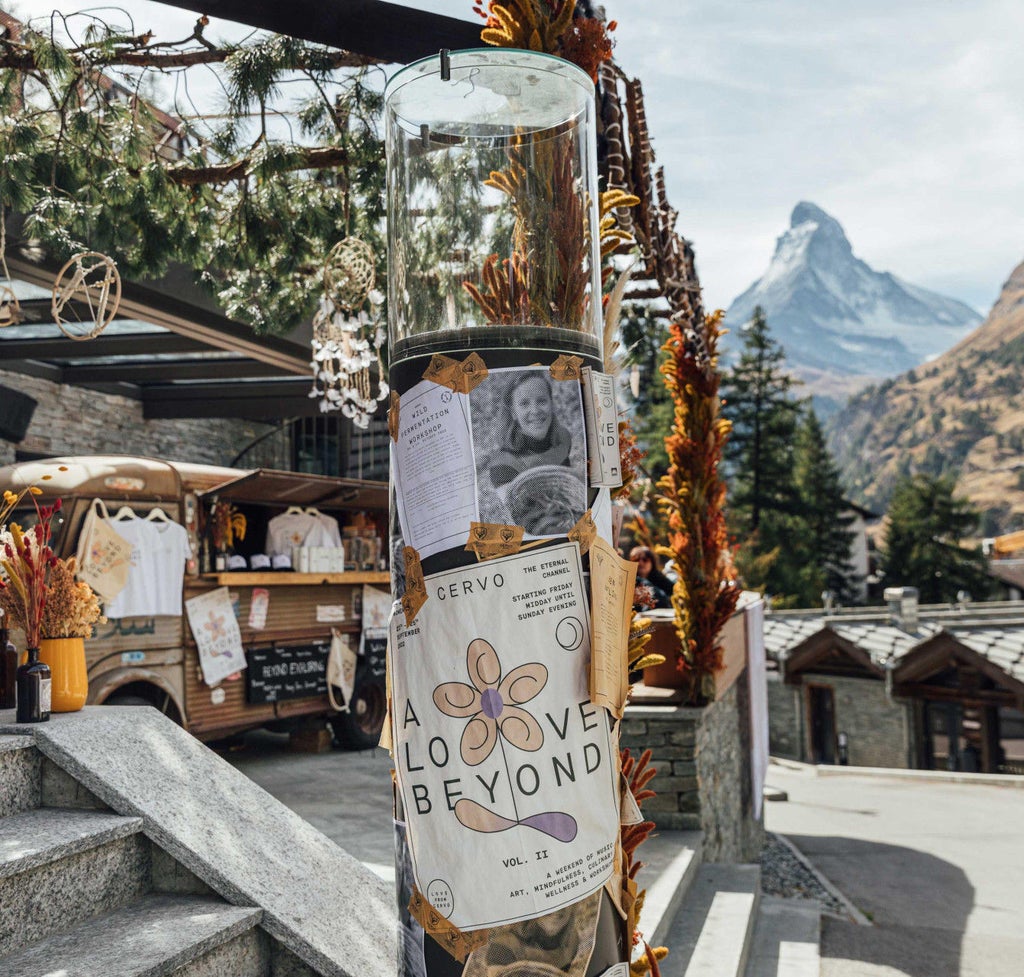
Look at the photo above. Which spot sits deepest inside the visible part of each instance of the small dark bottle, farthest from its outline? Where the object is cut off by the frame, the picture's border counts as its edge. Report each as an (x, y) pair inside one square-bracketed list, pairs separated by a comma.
[(33, 690), (8, 669)]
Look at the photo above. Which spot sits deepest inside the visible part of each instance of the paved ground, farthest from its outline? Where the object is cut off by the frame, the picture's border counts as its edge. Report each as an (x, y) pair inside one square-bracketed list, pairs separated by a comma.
[(345, 795), (938, 867)]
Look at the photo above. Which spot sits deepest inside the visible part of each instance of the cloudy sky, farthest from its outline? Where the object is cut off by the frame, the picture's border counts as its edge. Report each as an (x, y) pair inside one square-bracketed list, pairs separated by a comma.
[(904, 120)]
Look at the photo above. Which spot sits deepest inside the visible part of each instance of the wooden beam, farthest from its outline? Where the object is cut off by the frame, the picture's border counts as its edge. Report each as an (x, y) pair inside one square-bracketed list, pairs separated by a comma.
[(260, 400), (940, 652), (59, 347), (815, 650), (386, 31), (939, 693), (162, 371), (211, 328)]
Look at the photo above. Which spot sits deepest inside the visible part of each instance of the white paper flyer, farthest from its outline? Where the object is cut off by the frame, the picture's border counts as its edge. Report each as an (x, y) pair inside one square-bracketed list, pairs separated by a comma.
[(506, 768), (215, 629), (433, 455)]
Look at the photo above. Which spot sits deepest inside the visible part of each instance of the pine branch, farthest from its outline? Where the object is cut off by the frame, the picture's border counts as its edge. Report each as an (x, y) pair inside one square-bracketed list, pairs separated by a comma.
[(323, 158), (22, 59)]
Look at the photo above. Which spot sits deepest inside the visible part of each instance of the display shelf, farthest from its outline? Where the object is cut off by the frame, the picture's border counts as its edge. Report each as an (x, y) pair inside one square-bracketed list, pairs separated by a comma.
[(286, 578)]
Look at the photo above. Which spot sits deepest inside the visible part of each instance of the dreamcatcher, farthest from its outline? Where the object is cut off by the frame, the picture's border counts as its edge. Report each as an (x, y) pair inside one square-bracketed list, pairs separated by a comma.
[(346, 339), (88, 282)]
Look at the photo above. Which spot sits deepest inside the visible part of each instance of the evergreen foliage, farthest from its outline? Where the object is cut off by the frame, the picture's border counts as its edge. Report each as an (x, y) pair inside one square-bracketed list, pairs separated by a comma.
[(823, 537), (764, 416), (763, 497), (922, 546), (253, 198)]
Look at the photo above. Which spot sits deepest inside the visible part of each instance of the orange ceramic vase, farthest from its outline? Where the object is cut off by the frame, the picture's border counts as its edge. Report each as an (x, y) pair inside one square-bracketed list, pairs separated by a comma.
[(70, 685)]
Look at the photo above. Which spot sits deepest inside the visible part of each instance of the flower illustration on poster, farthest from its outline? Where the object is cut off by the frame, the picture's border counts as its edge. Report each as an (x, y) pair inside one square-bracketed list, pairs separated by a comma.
[(493, 706)]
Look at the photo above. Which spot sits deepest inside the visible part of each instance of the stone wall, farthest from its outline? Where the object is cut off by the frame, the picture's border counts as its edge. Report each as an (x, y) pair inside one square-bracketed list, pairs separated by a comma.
[(670, 733), (879, 730), (877, 727), (73, 421), (731, 834), (785, 719), (704, 778)]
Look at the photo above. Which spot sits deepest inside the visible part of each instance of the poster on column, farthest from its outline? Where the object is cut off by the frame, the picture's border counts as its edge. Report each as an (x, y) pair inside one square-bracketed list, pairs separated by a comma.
[(506, 768), (433, 459)]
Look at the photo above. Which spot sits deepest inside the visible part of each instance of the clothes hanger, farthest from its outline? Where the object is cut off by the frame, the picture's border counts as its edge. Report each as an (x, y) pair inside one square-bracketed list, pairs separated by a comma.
[(312, 510), (124, 513), (293, 510), (158, 515)]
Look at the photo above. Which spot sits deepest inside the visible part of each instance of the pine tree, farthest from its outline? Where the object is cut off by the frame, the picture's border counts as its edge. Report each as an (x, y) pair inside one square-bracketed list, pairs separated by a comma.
[(764, 416), (922, 543), (763, 499), (824, 537)]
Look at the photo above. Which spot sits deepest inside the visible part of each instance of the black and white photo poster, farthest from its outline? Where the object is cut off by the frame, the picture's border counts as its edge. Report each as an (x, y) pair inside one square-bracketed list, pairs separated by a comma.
[(506, 769), (529, 447)]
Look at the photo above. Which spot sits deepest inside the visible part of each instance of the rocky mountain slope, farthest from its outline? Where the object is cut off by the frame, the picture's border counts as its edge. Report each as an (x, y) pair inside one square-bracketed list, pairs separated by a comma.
[(961, 414), (840, 322)]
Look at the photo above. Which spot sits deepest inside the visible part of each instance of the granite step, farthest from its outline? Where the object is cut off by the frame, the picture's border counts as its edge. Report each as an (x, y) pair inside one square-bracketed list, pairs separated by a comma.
[(186, 936), (62, 867), (20, 776), (43, 835), (711, 934), (671, 860), (787, 939)]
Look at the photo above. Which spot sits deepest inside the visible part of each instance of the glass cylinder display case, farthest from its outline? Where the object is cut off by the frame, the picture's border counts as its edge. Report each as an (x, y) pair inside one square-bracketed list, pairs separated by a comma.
[(492, 204)]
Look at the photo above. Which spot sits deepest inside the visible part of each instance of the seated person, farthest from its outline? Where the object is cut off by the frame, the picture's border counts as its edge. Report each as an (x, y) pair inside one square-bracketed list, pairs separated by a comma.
[(649, 575)]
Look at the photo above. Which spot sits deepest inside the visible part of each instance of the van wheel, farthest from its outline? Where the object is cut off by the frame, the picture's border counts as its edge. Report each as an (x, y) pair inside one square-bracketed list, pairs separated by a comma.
[(126, 700), (359, 728)]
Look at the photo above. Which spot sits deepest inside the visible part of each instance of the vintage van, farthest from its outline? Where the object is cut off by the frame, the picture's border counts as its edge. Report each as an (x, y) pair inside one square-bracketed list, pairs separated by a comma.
[(154, 659)]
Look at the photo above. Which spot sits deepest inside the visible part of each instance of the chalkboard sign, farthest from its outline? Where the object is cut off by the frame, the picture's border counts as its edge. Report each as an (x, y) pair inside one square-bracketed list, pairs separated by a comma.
[(286, 672)]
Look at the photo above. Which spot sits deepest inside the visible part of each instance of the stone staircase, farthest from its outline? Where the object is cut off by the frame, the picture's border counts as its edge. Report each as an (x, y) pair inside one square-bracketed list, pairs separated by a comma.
[(102, 876), (714, 920)]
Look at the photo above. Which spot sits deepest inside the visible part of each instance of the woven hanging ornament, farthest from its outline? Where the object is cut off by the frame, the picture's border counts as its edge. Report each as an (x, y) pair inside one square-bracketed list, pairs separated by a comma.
[(88, 283), (349, 274), (346, 340)]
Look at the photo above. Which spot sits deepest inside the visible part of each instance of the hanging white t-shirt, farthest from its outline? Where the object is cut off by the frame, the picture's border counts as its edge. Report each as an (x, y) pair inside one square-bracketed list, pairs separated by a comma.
[(159, 552), (287, 530), (309, 528)]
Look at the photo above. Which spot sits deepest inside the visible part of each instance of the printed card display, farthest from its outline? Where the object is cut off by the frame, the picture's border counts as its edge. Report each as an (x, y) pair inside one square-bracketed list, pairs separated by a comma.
[(218, 639), (433, 458), (506, 769)]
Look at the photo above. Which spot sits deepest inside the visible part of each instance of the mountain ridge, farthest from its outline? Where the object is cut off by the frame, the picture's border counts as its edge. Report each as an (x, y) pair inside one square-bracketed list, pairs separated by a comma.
[(836, 317), (961, 415)]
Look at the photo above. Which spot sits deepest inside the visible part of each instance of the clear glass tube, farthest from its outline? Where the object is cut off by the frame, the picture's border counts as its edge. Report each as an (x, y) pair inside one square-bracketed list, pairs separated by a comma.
[(492, 200)]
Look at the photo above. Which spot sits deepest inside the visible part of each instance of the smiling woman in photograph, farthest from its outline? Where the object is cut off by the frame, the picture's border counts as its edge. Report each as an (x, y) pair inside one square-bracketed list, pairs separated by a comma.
[(533, 435)]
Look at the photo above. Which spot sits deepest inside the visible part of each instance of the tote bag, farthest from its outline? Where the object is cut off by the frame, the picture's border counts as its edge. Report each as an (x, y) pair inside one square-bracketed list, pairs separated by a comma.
[(341, 670), (104, 556)]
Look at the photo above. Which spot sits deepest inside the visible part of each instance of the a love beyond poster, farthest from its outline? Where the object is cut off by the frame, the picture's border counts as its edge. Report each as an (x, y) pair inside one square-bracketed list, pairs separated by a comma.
[(504, 764)]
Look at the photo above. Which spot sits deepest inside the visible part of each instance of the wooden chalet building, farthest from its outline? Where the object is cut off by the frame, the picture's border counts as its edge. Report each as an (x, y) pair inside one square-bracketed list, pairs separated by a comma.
[(937, 687)]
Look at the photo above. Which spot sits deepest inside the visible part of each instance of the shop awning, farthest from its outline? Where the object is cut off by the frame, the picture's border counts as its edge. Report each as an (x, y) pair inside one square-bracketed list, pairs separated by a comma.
[(290, 488)]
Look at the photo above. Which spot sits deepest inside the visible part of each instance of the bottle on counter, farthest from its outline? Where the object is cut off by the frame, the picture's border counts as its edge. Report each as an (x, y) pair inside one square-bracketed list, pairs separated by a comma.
[(33, 690), (8, 667)]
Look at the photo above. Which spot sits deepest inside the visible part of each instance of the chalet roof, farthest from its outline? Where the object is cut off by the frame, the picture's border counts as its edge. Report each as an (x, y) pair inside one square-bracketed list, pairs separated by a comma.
[(994, 631)]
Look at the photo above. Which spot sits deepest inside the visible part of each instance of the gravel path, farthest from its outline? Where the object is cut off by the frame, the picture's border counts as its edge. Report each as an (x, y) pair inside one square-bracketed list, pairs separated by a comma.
[(784, 874)]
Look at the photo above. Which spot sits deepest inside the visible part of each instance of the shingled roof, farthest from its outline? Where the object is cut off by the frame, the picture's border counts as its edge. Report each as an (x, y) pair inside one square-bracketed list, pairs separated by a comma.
[(994, 632)]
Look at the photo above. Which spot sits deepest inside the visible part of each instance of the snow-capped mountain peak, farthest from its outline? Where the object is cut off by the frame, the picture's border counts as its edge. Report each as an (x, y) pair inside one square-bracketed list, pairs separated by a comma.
[(833, 313)]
